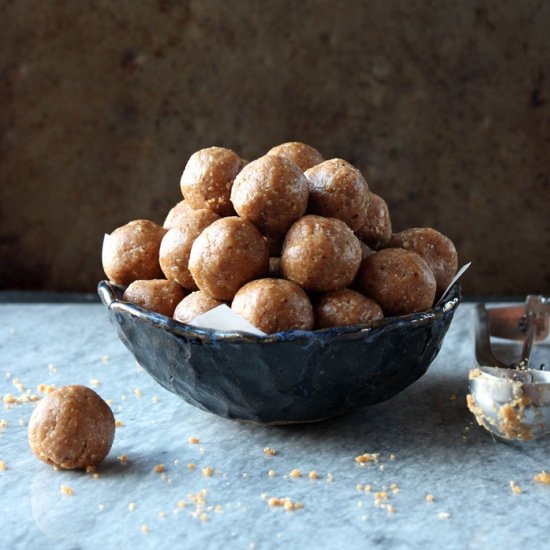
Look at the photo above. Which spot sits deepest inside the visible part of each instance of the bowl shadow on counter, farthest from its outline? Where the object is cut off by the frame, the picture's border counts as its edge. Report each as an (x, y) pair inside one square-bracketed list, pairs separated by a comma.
[(432, 413)]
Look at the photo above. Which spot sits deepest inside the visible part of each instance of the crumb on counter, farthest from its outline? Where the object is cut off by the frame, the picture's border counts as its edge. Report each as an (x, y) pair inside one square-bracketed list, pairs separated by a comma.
[(191, 466), (443, 515), (207, 472), (368, 488), (118, 423), (105, 359), (193, 440), (182, 504), (66, 490), (123, 458), (3, 466), (159, 468), (131, 506), (367, 457), (359, 487), (312, 475), (429, 498), (269, 451), (295, 473), (392, 457), (271, 473), (516, 489), (90, 469), (543, 477), (3, 424), (145, 529), (94, 382), (330, 478), (138, 392), (285, 503)]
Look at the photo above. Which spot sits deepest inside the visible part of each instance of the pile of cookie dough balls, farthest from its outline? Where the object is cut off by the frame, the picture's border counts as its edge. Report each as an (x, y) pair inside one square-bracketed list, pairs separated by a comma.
[(290, 241)]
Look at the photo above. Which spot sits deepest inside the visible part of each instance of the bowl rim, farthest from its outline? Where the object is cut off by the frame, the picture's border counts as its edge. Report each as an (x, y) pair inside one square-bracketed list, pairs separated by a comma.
[(110, 292)]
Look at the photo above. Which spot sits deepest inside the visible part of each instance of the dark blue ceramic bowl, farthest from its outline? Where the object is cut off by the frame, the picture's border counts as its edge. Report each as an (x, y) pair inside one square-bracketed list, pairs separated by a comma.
[(296, 376)]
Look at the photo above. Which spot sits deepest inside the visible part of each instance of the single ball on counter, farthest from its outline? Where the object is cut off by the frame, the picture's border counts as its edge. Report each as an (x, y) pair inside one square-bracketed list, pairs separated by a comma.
[(157, 295), (274, 305), (320, 254), (72, 428), (376, 231), (304, 156), (437, 250), (271, 192), (338, 190), (175, 247), (399, 280), (177, 214), (226, 255), (194, 305), (208, 177), (345, 307), (131, 252)]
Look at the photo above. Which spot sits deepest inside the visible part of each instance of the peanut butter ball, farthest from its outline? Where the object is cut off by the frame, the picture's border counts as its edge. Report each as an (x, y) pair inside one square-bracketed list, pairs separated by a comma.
[(131, 252), (208, 177), (304, 156), (176, 214), (399, 280), (345, 307), (157, 295), (175, 247), (338, 190), (226, 255), (320, 254), (194, 305), (273, 305), (271, 192), (376, 231), (72, 428), (437, 250)]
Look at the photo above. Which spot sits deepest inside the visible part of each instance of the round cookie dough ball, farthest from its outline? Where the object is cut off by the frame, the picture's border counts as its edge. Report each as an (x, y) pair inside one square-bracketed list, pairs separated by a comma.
[(376, 230), (226, 255), (175, 247), (177, 214), (437, 250), (157, 295), (338, 190), (304, 156), (345, 307), (271, 192), (72, 428), (273, 305), (207, 179), (131, 252), (194, 305), (320, 254), (399, 280)]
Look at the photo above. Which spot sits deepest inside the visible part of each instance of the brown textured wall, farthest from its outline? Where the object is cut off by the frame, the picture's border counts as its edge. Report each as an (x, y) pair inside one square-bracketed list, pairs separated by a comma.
[(445, 106)]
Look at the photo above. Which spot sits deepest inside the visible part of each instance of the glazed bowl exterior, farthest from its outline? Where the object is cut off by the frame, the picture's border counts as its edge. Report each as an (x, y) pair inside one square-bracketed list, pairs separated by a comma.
[(288, 377)]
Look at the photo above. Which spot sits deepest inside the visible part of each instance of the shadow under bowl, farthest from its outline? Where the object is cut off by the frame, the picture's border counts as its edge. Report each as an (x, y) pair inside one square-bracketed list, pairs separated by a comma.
[(288, 377)]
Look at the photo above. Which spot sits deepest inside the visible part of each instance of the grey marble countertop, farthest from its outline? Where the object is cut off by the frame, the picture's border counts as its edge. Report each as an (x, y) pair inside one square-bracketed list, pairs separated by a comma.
[(427, 444)]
